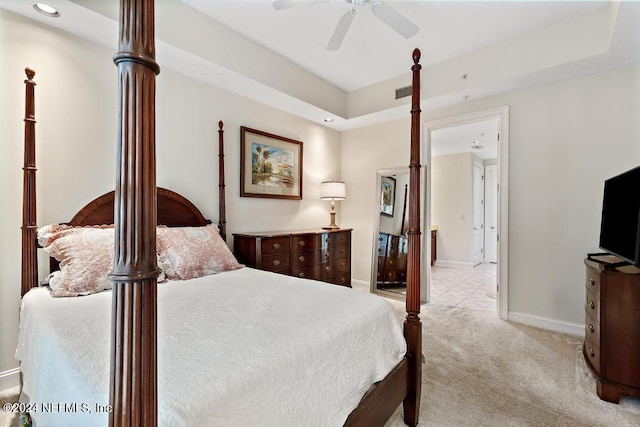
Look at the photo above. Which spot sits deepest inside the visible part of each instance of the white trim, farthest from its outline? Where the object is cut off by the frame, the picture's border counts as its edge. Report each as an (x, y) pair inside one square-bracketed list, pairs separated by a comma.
[(548, 324), (502, 113), (9, 379), (455, 264)]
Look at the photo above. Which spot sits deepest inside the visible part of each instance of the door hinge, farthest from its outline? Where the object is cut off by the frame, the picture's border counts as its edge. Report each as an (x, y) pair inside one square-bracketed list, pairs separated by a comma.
[(498, 237)]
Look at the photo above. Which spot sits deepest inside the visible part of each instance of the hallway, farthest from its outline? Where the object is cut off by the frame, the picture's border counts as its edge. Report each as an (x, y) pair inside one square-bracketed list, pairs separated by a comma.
[(473, 289)]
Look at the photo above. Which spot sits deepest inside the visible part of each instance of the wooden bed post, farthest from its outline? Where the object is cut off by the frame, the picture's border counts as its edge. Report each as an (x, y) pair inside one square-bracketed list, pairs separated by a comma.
[(222, 209), (412, 324), (133, 388), (29, 227)]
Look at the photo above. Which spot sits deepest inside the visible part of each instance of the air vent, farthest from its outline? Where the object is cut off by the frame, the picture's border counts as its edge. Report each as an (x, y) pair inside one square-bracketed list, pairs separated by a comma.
[(403, 92)]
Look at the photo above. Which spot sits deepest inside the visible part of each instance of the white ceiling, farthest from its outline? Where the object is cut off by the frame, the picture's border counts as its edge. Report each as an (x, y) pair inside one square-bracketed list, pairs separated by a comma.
[(279, 57), (372, 51), (479, 138)]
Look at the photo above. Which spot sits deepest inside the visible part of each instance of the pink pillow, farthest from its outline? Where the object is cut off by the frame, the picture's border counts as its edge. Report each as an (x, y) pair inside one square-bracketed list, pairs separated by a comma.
[(85, 255), (190, 252)]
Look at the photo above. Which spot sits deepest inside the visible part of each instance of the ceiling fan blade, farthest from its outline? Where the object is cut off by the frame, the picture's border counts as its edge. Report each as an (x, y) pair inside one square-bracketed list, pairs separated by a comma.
[(287, 4), (394, 19), (341, 30)]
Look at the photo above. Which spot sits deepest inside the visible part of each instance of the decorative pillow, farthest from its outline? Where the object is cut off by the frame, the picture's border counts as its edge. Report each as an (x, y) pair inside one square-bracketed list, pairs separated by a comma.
[(85, 255), (190, 252)]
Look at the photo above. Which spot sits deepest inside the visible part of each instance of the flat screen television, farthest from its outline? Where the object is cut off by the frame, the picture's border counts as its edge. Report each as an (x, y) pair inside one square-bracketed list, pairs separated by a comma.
[(620, 225)]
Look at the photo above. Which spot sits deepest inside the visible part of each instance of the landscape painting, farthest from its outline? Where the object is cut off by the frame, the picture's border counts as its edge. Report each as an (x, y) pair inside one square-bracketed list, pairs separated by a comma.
[(271, 165)]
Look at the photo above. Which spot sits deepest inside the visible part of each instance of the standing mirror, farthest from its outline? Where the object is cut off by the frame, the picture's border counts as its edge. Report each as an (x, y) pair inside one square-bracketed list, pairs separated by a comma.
[(389, 258)]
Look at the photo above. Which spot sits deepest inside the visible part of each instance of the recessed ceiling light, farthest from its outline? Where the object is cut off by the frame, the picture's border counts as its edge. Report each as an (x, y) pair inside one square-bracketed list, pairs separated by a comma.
[(477, 141), (46, 10), (328, 120)]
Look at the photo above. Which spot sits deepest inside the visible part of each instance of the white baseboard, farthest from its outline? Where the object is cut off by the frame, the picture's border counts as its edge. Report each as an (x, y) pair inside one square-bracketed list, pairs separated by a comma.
[(454, 264), (361, 285), (549, 324), (9, 379)]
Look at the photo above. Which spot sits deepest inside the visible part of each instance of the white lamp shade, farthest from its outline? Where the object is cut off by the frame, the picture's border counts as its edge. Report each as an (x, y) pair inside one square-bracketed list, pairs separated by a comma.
[(333, 190)]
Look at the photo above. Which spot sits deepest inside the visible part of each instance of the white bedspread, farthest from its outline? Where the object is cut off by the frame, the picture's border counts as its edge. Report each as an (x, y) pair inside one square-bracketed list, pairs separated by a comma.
[(241, 348)]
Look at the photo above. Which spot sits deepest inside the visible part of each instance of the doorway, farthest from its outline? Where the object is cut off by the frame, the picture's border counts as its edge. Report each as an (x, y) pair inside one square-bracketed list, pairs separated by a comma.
[(498, 176)]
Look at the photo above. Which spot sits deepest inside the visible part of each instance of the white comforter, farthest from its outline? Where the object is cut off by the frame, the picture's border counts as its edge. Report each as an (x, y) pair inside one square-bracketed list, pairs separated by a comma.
[(241, 348)]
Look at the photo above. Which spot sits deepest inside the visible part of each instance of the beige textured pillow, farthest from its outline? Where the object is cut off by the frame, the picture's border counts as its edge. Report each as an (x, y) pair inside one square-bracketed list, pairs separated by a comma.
[(190, 252), (85, 255)]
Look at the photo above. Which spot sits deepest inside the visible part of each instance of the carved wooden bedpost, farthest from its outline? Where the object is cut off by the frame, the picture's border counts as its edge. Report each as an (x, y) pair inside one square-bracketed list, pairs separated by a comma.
[(133, 391), (222, 216), (412, 324), (29, 251)]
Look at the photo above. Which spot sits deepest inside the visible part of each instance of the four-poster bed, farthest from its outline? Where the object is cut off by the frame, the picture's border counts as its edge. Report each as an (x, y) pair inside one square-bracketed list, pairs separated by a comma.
[(138, 330)]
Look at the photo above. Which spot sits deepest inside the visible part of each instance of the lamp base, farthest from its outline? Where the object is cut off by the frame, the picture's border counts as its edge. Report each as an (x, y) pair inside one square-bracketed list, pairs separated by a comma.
[(332, 225)]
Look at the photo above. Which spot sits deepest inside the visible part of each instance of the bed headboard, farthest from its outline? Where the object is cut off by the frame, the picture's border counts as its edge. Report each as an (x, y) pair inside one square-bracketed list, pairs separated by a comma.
[(174, 210)]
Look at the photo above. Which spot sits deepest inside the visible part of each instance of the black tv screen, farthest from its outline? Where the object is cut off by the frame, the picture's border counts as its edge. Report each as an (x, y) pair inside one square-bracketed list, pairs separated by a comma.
[(620, 225)]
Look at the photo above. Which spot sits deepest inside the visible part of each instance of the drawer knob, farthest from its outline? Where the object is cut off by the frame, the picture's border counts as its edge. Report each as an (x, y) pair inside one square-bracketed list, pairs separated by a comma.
[(591, 328), (327, 269), (591, 281), (276, 245), (591, 352), (301, 258), (591, 304), (301, 243), (276, 262), (301, 274), (327, 255)]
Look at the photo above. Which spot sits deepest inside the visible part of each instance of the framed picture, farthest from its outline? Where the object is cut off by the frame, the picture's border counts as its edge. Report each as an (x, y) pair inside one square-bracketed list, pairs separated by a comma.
[(270, 165), (387, 195)]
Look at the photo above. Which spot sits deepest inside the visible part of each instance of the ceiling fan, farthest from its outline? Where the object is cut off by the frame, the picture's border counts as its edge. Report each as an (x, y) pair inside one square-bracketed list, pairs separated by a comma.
[(386, 13)]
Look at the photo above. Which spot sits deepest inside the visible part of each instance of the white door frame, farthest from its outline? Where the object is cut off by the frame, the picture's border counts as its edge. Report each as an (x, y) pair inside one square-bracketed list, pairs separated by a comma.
[(491, 194), (502, 114)]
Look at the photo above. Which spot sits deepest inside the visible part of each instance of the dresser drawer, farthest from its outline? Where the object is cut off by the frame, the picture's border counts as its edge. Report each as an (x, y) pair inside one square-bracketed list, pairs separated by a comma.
[(304, 242), (311, 272), (382, 244), (341, 279), (306, 258), (339, 238), (396, 263), (276, 263), (339, 252), (592, 306), (592, 330), (593, 282), (592, 354), (275, 245)]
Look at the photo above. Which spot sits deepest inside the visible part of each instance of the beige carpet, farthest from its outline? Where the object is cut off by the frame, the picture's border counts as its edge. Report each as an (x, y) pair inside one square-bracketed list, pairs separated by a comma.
[(482, 371)]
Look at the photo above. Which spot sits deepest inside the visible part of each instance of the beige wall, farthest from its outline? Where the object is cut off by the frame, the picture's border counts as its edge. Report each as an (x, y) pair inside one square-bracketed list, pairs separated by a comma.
[(565, 140), (452, 207), (76, 98)]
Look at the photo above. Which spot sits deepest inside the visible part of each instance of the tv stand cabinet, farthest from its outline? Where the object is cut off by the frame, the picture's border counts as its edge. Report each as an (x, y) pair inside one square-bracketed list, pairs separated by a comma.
[(612, 328)]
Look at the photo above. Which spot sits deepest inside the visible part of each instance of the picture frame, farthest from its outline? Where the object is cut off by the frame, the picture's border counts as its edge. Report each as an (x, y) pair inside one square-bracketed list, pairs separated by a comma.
[(387, 195), (270, 165)]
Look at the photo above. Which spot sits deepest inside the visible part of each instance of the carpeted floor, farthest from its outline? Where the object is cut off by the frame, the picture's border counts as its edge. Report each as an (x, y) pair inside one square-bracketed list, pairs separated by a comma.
[(8, 419), (482, 371)]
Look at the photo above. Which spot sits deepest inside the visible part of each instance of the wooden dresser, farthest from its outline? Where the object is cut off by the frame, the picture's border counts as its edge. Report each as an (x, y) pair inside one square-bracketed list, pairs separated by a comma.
[(313, 254), (392, 260), (612, 330)]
